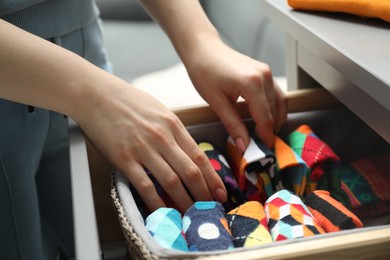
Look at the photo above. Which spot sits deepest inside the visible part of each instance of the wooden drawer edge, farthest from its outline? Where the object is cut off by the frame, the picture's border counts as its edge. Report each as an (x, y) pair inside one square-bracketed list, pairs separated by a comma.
[(298, 101)]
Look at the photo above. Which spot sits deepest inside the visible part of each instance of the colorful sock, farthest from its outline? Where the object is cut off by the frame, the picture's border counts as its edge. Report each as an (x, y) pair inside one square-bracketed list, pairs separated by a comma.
[(332, 183), (364, 8), (329, 213), (255, 187), (367, 181), (317, 155), (221, 166), (269, 190), (289, 218), (165, 226), (205, 227), (257, 158), (290, 168), (248, 225)]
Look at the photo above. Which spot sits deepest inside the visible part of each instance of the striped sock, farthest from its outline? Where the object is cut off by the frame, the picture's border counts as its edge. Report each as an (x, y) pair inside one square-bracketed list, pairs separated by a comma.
[(248, 225), (329, 213)]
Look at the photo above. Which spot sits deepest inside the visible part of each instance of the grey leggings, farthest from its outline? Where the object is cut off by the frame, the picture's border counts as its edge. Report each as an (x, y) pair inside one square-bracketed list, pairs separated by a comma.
[(35, 199)]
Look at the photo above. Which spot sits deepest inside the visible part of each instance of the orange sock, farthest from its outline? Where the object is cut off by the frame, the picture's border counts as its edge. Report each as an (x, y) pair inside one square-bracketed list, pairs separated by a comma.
[(330, 214)]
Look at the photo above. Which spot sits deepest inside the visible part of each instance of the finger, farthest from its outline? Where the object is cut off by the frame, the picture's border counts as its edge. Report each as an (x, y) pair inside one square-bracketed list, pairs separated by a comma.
[(189, 172), (260, 111), (213, 181), (137, 176), (281, 107), (170, 182), (232, 121), (269, 87)]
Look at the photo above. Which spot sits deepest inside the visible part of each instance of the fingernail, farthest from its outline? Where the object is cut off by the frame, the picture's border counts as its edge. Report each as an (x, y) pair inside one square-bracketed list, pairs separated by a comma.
[(240, 144), (220, 195)]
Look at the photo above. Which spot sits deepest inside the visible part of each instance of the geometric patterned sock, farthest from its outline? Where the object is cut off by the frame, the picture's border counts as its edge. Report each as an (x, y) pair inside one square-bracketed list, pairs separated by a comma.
[(317, 155), (290, 167), (248, 225), (289, 218), (221, 166), (329, 213), (206, 228), (257, 158), (368, 180), (165, 226)]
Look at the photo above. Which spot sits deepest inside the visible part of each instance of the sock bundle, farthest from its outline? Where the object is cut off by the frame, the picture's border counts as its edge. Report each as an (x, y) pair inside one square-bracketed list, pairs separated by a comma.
[(165, 226), (317, 155), (248, 167), (329, 213), (248, 225), (206, 228), (290, 168), (221, 166), (289, 218), (367, 183), (366, 8)]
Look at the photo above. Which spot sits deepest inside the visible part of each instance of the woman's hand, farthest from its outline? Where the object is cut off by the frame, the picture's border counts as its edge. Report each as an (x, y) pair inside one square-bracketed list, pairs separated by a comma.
[(222, 75), (133, 130)]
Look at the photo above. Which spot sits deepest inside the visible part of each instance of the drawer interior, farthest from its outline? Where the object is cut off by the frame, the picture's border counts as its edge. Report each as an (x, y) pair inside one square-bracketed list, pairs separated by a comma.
[(345, 133)]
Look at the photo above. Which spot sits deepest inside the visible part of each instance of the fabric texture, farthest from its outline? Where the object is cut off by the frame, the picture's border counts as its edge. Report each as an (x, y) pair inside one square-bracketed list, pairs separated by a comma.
[(367, 183), (290, 168), (248, 167), (221, 166), (205, 227), (50, 18), (317, 155), (289, 218), (248, 225), (366, 8), (331, 215), (166, 227)]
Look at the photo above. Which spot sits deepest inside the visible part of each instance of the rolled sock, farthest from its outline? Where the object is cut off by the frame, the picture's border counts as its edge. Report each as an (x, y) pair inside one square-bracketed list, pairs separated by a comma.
[(317, 155), (290, 167), (221, 166), (367, 180), (257, 158), (289, 218), (165, 226), (205, 227), (248, 225), (329, 213)]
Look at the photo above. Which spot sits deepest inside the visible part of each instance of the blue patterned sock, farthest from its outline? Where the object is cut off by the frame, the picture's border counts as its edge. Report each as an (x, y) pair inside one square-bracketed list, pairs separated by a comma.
[(165, 226), (205, 227)]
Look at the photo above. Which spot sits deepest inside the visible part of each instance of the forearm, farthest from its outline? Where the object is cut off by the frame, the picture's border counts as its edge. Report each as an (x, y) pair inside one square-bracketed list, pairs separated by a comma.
[(36, 72), (185, 23)]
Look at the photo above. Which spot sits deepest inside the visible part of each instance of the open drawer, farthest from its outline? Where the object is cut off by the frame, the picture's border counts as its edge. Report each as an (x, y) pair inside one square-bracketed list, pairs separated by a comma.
[(348, 136)]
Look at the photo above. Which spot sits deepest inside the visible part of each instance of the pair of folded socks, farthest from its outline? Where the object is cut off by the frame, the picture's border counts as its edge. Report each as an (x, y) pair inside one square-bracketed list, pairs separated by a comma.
[(205, 227), (297, 164), (366, 8), (253, 170), (202, 228)]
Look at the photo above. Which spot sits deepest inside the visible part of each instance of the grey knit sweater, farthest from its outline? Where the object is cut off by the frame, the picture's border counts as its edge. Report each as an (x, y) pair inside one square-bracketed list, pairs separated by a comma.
[(48, 18)]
